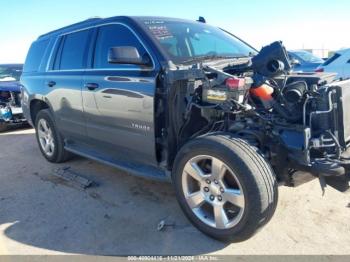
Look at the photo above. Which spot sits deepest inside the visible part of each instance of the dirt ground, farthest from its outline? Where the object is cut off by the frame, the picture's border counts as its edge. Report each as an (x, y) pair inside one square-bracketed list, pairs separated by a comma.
[(41, 213)]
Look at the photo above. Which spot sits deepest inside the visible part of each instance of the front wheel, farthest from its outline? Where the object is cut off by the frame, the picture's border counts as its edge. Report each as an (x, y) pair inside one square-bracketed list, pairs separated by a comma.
[(224, 186)]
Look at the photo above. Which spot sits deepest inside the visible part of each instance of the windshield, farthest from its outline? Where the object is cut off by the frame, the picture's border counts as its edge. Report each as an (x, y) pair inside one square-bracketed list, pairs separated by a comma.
[(10, 72), (186, 41), (307, 57)]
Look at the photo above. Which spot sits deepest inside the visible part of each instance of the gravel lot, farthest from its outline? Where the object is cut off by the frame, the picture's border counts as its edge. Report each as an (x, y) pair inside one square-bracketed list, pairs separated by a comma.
[(43, 214)]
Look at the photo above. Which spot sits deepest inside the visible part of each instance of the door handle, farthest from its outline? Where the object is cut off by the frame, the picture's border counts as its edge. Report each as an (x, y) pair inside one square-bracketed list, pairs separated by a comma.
[(91, 86), (51, 83)]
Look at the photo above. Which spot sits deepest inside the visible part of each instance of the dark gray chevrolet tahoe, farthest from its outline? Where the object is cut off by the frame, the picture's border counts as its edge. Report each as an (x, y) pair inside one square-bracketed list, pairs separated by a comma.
[(184, 101)]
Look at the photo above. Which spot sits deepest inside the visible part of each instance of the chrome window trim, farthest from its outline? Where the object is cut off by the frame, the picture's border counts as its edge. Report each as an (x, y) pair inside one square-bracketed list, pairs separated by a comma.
[(53, 48), (45, 52), (100, 69)]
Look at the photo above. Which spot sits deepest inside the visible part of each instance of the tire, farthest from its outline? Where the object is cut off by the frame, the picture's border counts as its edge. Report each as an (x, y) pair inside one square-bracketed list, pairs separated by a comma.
[(247, 186), (3, 126), (57, 154)]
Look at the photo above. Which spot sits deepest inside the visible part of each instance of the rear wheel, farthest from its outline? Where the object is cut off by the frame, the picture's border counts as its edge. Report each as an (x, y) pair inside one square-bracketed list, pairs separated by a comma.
[(50, 142), (225, 186)]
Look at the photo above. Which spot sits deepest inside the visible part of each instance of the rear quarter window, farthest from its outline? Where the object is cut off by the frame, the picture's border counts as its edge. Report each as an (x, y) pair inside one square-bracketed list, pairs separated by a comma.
[(35, 56)]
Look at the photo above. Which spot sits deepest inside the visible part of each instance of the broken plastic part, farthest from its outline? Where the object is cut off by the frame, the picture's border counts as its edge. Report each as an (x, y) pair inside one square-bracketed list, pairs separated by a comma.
[(263, 92)]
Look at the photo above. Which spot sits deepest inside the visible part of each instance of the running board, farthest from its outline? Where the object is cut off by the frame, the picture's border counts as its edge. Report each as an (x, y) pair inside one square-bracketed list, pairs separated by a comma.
[(132, 168)]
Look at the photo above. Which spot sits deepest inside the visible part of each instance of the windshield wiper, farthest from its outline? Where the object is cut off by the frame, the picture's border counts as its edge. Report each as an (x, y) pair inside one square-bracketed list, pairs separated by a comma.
[(212, 57)]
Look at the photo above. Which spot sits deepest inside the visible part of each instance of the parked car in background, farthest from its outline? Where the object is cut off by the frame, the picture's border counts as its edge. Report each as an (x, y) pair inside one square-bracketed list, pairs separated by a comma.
[(338, 63), (304, 61), (10, 95)]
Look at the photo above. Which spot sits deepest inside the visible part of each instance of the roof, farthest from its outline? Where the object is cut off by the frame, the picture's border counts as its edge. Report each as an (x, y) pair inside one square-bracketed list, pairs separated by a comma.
[(299, 50), (96, 20), (343, 51), (12, 65), (76, 26)]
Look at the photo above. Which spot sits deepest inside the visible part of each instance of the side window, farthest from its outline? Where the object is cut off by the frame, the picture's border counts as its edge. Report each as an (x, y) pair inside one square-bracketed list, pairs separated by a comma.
[(332, 59), (35, 55), (292, 56), (71, 52), (113, 36)]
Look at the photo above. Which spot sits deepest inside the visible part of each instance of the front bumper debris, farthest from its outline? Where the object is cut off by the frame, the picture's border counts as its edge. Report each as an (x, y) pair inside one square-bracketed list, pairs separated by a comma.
[(12, 115)]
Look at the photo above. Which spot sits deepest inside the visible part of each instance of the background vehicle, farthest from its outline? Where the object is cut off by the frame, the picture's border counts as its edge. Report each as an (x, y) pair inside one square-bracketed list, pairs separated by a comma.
[(304, 61), (182, 100), (338, 63), (10, 96)]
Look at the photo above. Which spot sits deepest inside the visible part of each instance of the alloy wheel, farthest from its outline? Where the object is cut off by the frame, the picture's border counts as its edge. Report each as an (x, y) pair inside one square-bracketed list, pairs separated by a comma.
[(213, 192), (46, 138)]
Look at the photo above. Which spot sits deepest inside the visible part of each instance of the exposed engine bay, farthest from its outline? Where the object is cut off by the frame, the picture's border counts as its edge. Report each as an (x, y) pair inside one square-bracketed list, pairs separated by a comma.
[(299, 121), (10, 106)]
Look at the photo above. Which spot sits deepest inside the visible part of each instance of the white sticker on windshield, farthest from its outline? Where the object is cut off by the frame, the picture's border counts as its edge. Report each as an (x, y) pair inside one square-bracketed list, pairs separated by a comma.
[(160, 32)]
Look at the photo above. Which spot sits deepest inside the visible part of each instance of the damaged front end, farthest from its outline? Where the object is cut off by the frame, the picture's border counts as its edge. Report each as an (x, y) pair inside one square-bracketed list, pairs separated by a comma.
[(300, 122), (10, 104)]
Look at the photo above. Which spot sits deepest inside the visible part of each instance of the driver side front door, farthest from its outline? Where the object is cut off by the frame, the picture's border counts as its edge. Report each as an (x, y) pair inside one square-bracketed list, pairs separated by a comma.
[(118, 99)]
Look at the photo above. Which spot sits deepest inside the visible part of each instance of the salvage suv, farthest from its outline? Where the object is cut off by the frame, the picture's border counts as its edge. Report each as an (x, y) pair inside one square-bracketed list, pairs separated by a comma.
[(184, 101)]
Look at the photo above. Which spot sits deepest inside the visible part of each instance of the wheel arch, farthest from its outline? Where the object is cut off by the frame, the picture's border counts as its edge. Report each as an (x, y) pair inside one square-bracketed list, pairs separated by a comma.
[(37, 105)]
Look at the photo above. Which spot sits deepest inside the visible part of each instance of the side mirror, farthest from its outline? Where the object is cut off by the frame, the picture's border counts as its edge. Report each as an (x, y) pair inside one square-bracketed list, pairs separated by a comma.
[(295, 62), (127, 55)]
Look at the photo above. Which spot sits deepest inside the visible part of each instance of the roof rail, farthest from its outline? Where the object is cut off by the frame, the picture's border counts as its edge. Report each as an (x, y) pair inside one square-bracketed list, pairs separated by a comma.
[(92, 19)]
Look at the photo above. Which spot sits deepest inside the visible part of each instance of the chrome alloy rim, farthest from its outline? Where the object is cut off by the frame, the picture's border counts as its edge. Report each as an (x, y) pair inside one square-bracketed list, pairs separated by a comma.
[(46, 139), (213, 192)]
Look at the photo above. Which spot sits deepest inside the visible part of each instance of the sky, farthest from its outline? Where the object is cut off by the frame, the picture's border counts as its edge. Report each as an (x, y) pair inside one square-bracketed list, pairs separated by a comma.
[(313, 24)]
